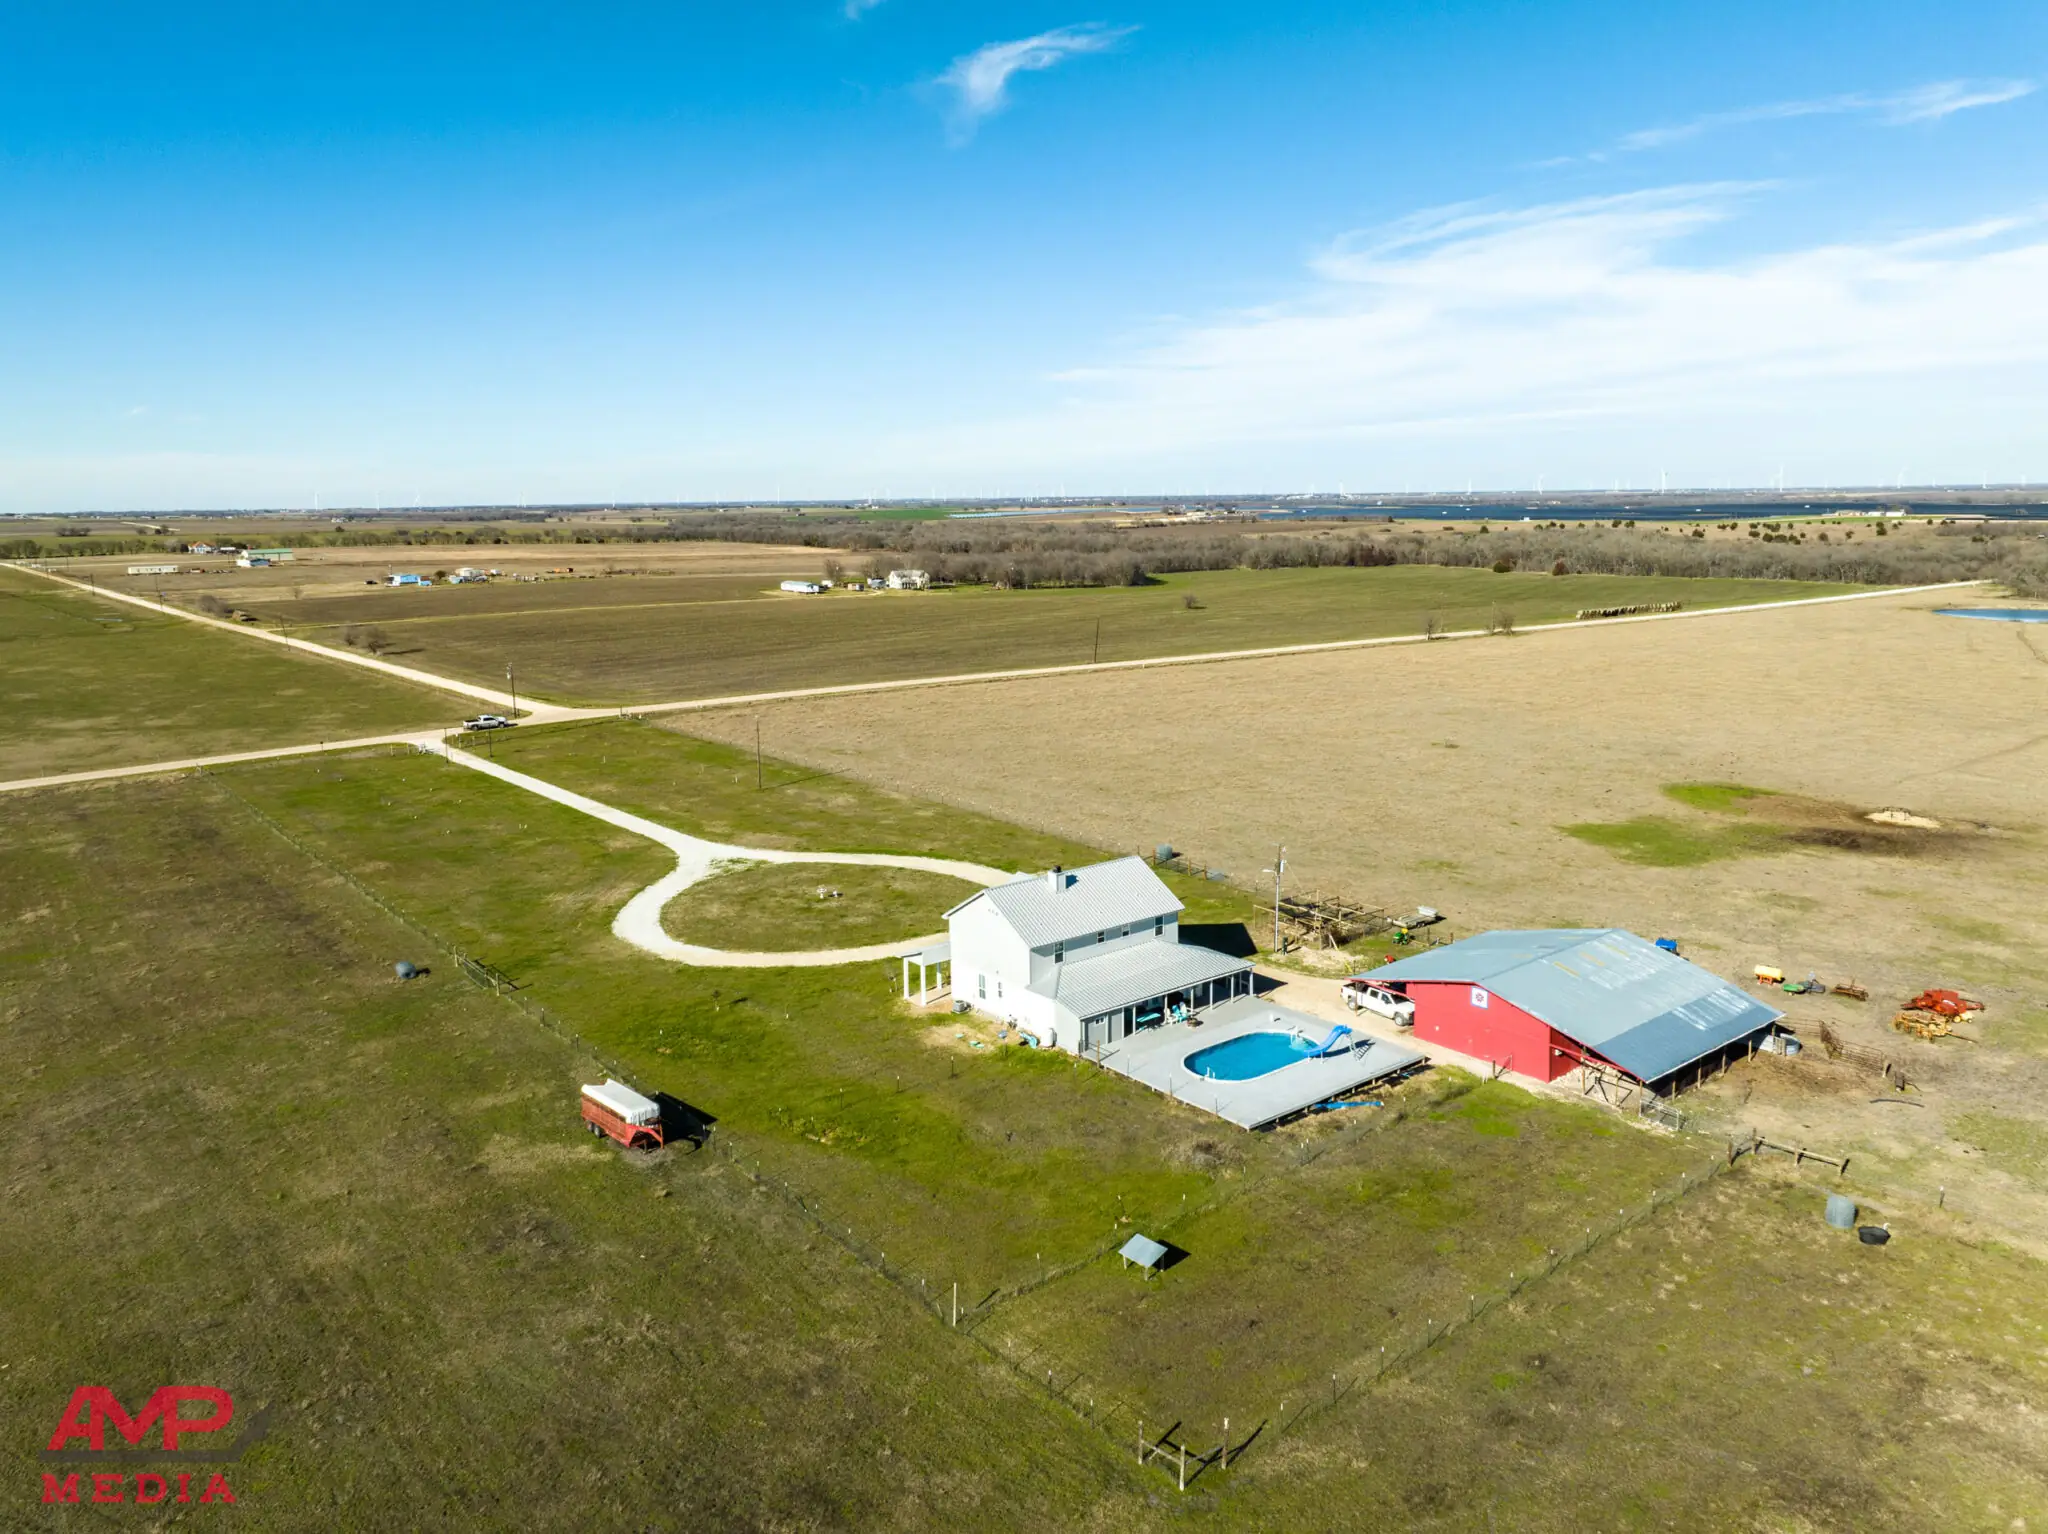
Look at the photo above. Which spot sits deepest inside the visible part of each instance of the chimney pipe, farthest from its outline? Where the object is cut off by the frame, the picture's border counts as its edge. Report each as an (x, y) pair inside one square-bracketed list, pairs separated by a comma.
[(1055, 880)]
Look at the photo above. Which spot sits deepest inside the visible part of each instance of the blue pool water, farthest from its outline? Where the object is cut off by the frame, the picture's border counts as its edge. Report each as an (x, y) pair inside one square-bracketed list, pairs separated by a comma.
[(1249, 1055), (2008, 614)]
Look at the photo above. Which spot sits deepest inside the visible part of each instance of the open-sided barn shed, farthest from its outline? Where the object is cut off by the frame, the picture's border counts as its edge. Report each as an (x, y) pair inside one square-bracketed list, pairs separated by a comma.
[(1541, 1003)]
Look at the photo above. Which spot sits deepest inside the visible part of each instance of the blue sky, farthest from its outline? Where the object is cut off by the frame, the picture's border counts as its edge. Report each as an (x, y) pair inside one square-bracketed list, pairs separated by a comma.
[(261, 254)]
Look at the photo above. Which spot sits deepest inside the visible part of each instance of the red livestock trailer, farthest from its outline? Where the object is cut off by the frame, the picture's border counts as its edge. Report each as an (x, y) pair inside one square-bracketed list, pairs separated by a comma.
[(616, 1110)]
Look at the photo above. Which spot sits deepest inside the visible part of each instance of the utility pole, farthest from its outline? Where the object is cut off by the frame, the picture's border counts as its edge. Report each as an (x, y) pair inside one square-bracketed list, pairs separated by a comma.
[(758, 781), (1279, 868), (1098, 642), (511, 682)]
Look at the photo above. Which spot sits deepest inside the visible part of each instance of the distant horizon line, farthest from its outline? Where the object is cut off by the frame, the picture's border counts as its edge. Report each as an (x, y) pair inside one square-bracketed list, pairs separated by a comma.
[(1531, 499)]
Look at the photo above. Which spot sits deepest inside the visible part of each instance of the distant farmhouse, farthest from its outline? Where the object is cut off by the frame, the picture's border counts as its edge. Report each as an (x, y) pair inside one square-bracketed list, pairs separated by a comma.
[(909, 580), (1082, 958)]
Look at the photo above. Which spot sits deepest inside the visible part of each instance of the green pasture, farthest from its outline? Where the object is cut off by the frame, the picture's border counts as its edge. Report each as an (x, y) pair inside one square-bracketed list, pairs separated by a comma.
[(631, 651), (88, 683)]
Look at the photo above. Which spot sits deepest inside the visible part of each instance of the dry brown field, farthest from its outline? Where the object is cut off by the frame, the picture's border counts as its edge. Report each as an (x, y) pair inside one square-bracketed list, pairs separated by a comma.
[(1443, 774), (326, 573)]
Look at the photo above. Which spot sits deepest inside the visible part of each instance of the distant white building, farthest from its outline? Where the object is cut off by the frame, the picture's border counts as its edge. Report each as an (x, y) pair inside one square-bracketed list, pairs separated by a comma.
[(1083, 957), (909, 580), (804, 588)]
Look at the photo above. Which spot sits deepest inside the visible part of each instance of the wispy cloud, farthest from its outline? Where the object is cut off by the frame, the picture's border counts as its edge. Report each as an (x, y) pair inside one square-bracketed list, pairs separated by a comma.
[(1923, 103), (855, 9), (980, 80), (1498, 328), (1927, 102)]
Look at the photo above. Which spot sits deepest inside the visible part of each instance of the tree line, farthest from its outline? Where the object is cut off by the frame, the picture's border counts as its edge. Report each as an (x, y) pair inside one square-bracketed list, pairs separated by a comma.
[(1024, 554)]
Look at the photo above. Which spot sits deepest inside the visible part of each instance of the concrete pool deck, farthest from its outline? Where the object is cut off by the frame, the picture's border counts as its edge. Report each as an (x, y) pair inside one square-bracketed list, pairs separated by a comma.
[(1156, 1057)]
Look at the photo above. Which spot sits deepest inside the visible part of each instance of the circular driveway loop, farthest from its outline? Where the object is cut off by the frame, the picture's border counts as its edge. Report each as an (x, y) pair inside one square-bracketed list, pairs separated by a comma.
[(639, 921)]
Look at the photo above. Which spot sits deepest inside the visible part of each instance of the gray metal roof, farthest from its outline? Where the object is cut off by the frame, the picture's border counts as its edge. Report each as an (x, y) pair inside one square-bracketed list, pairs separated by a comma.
[(1143, 1250), (1122, 977), (1089, 900), (1647, 1010)]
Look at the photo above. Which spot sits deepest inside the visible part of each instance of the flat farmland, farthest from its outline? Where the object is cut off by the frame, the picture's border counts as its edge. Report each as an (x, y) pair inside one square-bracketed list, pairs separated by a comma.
[(369, 1208), (395, 1234), (88, 683), (621, 648), (541, 573), (1466, 775)]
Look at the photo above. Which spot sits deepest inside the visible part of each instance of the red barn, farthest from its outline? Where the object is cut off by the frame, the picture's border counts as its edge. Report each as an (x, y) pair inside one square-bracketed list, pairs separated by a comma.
[(1474, 1021), (1541, 1003)]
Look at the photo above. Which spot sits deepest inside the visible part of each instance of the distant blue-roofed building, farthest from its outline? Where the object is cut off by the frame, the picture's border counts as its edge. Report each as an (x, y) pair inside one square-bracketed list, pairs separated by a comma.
[(1543, 1003)]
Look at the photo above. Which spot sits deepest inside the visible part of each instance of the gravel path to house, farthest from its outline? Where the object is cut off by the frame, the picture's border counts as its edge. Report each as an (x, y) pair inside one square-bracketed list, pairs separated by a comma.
[(639, 921)]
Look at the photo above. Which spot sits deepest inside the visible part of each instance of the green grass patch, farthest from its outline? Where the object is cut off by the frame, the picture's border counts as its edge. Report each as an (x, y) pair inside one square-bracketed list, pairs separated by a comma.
[(778, 907), (1657, 841), (1717, 798), (1290, 1279), (2015, 1145), (1637, 1377), (88, 683)]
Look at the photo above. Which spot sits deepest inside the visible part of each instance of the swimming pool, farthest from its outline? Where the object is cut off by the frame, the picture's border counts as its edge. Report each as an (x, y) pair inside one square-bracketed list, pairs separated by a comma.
[(2006, 614), (1249, 1055)]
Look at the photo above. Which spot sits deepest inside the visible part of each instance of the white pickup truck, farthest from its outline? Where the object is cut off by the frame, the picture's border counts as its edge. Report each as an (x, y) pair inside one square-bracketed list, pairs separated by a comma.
[(1361, 995)]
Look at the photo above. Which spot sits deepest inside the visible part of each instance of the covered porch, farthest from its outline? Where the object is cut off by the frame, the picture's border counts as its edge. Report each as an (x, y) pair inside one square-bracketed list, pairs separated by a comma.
[(1128, 991), (934, 965)]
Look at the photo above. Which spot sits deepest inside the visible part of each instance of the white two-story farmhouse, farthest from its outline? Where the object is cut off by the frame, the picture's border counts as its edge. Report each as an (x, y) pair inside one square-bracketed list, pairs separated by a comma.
[(1084, 957)]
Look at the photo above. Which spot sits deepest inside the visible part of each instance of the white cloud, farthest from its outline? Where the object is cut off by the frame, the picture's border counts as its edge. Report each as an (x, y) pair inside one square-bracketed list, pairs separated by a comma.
[(1502, 328), (855, 9), (980, 80), (1923, 103), (1927, 102)]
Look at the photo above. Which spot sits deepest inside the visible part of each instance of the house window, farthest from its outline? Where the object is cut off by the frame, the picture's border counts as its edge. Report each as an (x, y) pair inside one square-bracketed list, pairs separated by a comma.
[(1159, 926), (1059, 953), (1102, 937), (981, 986)]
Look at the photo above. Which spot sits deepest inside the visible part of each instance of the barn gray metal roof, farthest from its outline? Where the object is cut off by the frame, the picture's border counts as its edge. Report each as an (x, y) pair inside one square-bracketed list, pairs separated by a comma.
[(1102, 896), (1647, 1010), (1124, 976)]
